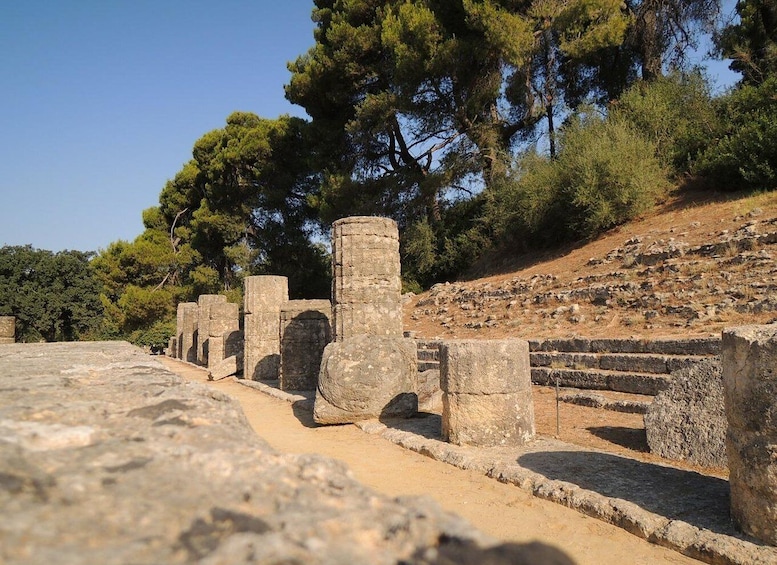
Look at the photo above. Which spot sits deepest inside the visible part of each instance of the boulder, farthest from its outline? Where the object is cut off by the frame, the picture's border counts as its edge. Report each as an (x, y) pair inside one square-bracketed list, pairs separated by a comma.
[(687, 421)]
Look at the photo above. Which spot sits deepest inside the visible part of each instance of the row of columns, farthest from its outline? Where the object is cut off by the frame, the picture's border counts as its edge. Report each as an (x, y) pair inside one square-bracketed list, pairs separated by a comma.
[(358, 365)]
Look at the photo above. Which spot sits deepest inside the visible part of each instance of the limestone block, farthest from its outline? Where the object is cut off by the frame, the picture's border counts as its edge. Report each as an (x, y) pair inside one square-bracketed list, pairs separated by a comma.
[(225, 368), (429, 391), (7, 329), (487, 420), (177, 475), (485, 366), (264, 296), (687, 421), (233, 343), (486, 389), (305, 331), (172, 347), (224, 318), (189, 331), (204, 303), (264, 293), (750, 393), (366, 377)]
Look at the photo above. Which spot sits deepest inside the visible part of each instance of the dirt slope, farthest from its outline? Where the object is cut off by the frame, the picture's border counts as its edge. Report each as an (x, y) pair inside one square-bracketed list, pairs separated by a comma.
[(697, 264)]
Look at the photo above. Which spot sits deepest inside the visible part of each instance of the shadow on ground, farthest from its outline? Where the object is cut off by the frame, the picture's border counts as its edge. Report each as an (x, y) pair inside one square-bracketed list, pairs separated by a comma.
[(697, 499), (630, 438)]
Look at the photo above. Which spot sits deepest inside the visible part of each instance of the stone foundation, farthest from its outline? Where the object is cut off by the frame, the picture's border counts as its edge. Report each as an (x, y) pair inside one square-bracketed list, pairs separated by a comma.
[(486, 389), (750, 391)]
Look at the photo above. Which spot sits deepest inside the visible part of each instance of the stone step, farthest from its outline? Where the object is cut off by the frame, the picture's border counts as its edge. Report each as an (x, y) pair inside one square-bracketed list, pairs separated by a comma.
[(627, 362), (597, 379), (685, 346)]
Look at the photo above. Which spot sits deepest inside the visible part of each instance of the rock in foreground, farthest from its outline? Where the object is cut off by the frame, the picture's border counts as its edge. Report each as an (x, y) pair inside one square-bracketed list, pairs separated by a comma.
[(106, 457)]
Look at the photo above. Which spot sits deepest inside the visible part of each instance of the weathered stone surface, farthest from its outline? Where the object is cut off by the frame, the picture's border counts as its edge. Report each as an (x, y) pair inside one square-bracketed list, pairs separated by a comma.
[(107, 458), (7, 329), (366, 377), (264, 297), (224, 317), (225, 368), (305, 332), (366, 285), (187, 327), (487, 398), (204, 303), (687, 421), (233, 343), (429, 391), (750, 392), (172, 347)]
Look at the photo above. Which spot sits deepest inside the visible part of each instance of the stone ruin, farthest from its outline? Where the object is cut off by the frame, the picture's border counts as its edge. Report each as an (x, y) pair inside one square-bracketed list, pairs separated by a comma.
[(750, 389), (263, 298), (687, 421), (7, 329), (487, 397), (305, 330), (370, 369)]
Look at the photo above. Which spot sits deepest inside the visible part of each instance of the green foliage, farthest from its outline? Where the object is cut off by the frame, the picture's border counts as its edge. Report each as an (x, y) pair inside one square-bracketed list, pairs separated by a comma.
[(675, 112), (54, 296), (156, 337), (605, 175), (743, 153), (752, 41), (434, 253)]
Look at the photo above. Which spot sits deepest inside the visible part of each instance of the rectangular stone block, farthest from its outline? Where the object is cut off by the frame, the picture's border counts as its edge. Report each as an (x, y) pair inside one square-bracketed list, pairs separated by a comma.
[(487, 420), (305, 332), (485, 366), (262, 360), (264, 293), (189, 330), (204, 304), (262, 326), (8, 329), (224, 368), (233, 343)]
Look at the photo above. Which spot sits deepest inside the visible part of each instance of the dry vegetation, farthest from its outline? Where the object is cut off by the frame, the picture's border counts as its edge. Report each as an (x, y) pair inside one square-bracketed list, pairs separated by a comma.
[(697, 264)]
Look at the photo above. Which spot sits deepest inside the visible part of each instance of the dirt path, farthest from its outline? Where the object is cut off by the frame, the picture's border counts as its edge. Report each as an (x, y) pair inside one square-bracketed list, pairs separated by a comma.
[(502, 511)]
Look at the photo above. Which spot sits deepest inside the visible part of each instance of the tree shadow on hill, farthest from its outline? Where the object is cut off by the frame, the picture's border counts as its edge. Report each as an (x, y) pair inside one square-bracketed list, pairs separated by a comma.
[(676, 494), (630, 438)]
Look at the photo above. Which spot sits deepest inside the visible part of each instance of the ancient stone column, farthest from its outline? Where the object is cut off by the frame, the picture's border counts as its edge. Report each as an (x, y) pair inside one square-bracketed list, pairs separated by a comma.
[(305, 332), (366, 284), (7, 329), (187, 339), (204, 303), (487, 397), (224, 317), (264, 295), (750, 396)]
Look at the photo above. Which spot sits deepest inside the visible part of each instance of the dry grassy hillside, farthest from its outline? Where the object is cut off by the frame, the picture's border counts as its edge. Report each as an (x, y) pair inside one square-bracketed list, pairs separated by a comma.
[(695, 265)]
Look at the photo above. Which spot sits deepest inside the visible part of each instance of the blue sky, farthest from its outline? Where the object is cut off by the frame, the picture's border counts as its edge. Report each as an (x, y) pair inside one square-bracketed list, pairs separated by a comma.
[(102, 101)]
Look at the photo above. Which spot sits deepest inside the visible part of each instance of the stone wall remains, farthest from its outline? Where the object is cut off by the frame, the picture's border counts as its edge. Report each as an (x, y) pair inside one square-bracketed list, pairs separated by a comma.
[(188, 323), (750, 392), (263, 298), (204, 303), (305, 331), (7, 329), (223, 318)]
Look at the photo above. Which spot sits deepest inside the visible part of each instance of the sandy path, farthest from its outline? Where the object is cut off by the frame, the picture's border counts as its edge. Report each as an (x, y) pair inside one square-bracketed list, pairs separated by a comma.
[(502, 511)]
